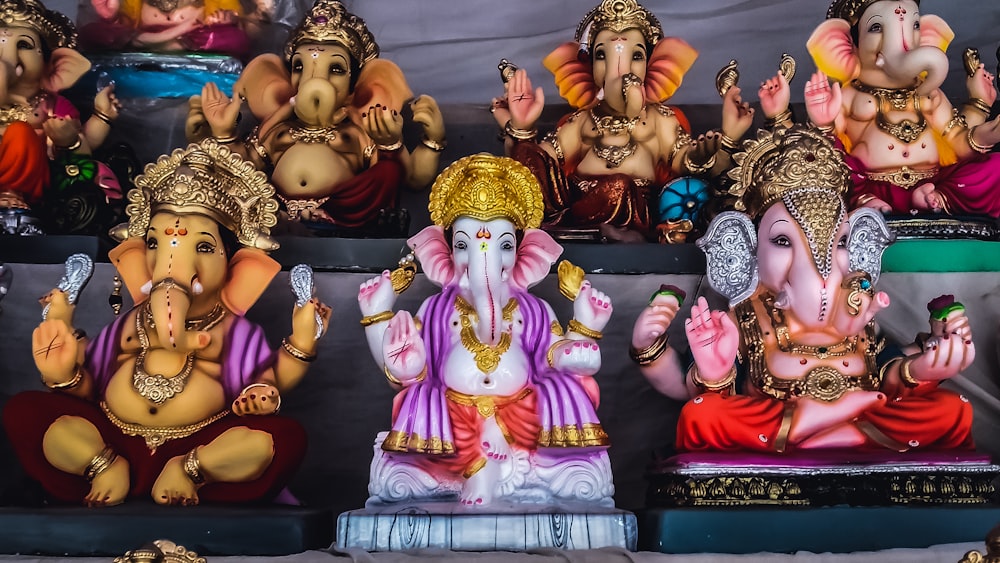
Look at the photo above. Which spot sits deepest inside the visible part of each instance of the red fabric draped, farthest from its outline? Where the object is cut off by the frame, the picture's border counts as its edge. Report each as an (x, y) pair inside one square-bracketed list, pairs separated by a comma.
[(24, 165)]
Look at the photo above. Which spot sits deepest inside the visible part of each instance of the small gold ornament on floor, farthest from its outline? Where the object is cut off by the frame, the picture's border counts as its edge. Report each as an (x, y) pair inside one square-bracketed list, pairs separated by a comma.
[(115, 299), (160, 551)]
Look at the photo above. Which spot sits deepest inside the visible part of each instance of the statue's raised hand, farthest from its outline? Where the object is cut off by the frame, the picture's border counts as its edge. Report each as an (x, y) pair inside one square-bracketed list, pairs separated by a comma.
[(304, 318), (737, 115), (376, 295), (654, 320), (383, 125), (221, 112), (948, 351), (980, 85), (579, 357), (774, 95), (55, 349), (525, 105), (403, 351), (64, 131), (106, 102), (427, 113), (856, 304), (257, 399), (592, 308), (714, 341), (823, 101)]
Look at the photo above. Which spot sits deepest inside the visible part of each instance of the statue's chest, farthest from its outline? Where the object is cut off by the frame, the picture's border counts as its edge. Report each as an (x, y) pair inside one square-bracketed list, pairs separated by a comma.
[(477, 367)]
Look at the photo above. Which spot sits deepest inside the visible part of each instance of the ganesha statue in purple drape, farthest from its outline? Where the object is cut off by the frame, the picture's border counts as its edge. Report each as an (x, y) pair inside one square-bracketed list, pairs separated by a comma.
[(494, 399)]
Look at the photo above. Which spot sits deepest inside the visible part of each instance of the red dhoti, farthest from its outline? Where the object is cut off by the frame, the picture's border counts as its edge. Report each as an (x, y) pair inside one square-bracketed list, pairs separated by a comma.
[(933, 419), (28, 415), (24, 164), (356, 202)]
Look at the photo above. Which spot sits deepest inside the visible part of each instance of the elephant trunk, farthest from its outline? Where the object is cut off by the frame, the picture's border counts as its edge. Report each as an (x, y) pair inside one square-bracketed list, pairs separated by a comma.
[(490, 293), (170, 301), (316, 102), (904, 67)]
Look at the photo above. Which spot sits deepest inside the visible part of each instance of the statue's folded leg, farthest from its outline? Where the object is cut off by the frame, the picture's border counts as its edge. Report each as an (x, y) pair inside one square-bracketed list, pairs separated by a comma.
[(356, 202), (24, 165), (713, 422), (938, 419)]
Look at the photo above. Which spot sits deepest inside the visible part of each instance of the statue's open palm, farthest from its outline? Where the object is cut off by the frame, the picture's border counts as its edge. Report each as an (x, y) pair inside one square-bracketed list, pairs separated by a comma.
[(823, 101), (714, 341), (376, 294), (525, 105), (592, 308), (403, 350), (54, 347), (220, 111)]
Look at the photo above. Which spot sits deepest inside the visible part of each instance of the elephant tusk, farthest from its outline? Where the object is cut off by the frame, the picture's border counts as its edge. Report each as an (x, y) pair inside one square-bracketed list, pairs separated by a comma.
[(146, 287)]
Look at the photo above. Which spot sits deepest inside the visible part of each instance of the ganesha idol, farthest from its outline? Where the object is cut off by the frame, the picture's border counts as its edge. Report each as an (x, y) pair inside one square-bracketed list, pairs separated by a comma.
[(908, 148), (178, 398), (494, 400), (331, 131), (605, 164), (796, 366), (38, 59)]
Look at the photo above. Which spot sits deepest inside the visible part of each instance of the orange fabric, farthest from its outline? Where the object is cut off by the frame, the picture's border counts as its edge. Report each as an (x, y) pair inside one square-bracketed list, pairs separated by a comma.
[(519, 419), (24, 165)]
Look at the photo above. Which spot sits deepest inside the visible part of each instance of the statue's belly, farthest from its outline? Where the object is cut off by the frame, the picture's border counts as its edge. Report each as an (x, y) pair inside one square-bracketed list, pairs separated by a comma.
[(202, 397), (463, 375), (641, 164), (880, 151), (310, 171)]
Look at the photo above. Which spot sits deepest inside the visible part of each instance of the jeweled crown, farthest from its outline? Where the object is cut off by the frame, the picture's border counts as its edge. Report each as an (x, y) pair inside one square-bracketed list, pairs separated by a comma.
[(484, 187), (209, 179), (850, 10), (618, 16), (54, 28), (329, 22)]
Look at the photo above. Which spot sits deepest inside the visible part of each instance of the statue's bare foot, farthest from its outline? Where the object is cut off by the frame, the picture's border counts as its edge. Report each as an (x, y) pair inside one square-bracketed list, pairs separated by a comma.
[(173, 486), (494, 444), (619, 234), (813, 416), (480, 488), (110, 487), (845, 435)]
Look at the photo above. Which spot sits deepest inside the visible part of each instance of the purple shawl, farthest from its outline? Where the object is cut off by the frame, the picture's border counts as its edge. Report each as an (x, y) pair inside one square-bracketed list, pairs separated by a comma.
[(245, 354), (562, 401)]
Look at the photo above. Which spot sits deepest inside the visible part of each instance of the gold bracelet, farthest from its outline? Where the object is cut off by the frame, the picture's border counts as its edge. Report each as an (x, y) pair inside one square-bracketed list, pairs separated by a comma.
[(981, 105), (395, 381), (72, 147), (976, 146), (725, 382), (296, 353), (584, 330), (436, 146), (522, 134), (729, 143), (781, 117), (649, 354), (192, 467), (102, 116), (227, 140), (77, 377), (698, 168), (904, 373), (370, 320), (550, 354), (100, 463), (277, 406), (389, 148)]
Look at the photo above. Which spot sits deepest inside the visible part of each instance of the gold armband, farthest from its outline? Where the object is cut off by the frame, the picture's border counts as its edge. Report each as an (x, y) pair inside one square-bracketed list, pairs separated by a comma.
[(550, 354), (976, 146), (370, 320), (771, 122), (107, 118), (392, 379), (697, 168), (100, 463), (192, 467), (980, 105), (226, 140), (716, 386), (584, 330), (957, 119), (390, 148), (277, 406), (294, 352), (77, 377), (436, 146), (521, 134), (649, 354), (904, 373)]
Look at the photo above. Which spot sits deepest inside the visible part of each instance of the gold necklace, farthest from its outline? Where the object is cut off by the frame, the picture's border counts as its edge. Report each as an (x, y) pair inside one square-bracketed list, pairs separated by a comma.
[(905, 130), (313, 135), (614, 155), (785, 343), (487, 357)]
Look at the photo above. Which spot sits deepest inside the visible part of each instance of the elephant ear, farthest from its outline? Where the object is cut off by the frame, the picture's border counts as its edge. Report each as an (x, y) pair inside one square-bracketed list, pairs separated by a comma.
[(250, 272), (536, 254), (434, 254), (381, 82), (730, 247), (129, 258), (833, 51), (668, 63), (65, 67), (870, 236), (266, 85), (574, 77), (935, 32)]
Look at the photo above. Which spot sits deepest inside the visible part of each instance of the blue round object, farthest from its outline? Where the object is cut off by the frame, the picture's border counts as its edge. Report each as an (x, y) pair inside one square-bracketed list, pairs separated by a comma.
[(683, 198)]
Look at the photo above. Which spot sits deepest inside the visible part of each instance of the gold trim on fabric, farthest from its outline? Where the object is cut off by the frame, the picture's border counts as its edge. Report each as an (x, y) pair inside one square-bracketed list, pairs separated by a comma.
[(156, 436), (574, 436), (397, 441), (904, 177), (877, 436), (474, 467), (781, 440), (486, 405)]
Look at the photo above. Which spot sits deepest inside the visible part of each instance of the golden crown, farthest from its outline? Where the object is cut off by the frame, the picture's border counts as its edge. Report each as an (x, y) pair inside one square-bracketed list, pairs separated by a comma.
[(618, 16), (484, 187), (850, 10), (209, 179), (54, 28), (330, 22)]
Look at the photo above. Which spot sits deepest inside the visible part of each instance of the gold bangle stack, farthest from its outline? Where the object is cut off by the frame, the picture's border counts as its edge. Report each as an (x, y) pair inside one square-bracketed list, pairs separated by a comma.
[(102, 116), (100, 463), (904, 373), (392, 379), (296, 353), (980, 105), (698, 168), (729, 144), (390, 148), (226, 140), (77, 377), (551, 352), (771, 122), (976, 146), (716, 386), (370, 320), (192, 467), (649, 354), (521, 134), (584, 330), (436, 146)]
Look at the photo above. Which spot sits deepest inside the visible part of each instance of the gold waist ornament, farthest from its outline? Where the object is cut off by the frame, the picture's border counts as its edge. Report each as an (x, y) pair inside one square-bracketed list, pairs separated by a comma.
[(156, 436), (486, 405), (904, 177), (295, 207)]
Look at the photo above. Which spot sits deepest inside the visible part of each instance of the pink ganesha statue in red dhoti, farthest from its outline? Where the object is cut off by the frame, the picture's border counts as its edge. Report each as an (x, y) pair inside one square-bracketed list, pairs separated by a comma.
[(796, 365), (908, 148)]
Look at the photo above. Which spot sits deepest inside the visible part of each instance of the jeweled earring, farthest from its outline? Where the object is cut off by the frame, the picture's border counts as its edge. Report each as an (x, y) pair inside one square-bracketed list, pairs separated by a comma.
[(115, 299)]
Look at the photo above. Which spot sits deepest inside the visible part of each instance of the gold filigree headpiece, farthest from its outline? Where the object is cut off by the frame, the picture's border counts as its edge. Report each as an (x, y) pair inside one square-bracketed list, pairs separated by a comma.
[(487, 187), (330, 22), (54, 28), (850, 10), (618, 16), (801, 168), (209, 179)]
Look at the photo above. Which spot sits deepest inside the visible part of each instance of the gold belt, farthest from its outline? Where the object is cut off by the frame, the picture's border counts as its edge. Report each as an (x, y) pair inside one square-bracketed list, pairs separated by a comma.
[(296, 206), (156, 436), (487, 405), (905, 177), (822, 383)]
